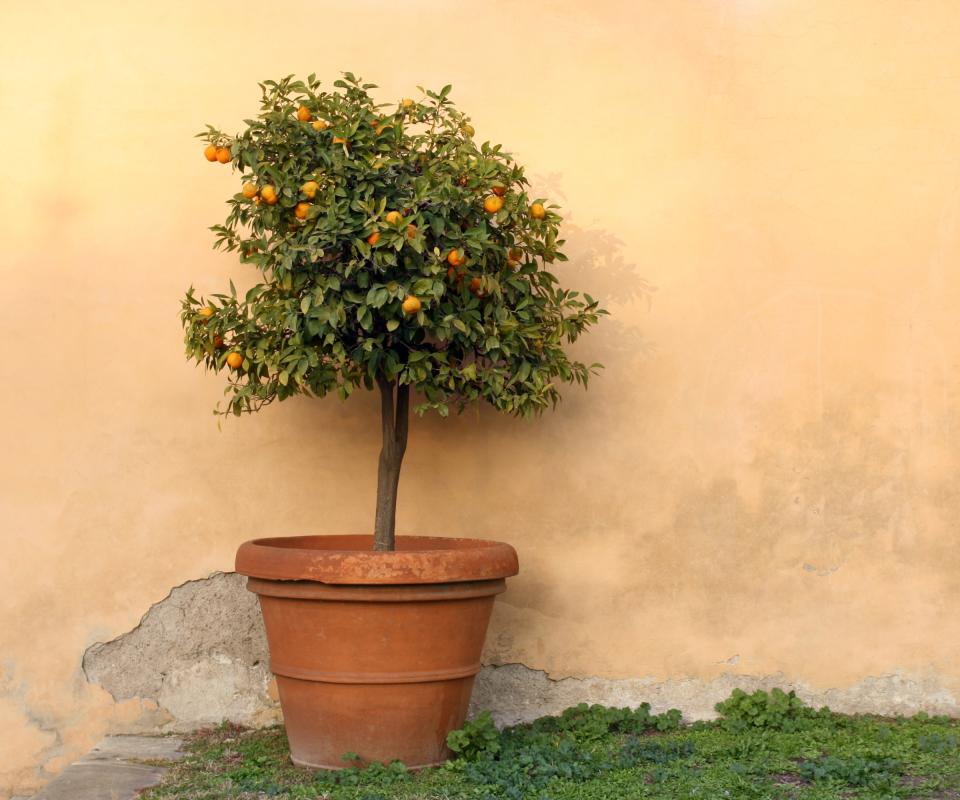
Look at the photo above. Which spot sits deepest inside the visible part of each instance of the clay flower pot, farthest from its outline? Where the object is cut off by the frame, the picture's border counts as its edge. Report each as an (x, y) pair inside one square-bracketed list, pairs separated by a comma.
[(374, 653)]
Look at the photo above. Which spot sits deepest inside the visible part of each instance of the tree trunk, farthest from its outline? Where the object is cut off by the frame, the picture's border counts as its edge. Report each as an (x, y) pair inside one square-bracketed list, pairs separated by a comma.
[(395, 413)]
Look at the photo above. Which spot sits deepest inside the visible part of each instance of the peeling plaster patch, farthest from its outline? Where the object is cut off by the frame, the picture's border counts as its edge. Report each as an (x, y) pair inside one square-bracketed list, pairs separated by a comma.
[(200, 653), (514, 693)]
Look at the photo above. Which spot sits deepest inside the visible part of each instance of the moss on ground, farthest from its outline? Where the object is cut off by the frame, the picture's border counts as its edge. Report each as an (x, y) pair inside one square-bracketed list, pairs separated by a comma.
[(764, 746)]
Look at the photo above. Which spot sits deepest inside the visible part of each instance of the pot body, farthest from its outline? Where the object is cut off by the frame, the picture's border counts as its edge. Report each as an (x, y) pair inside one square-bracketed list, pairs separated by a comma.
[(384, 668)]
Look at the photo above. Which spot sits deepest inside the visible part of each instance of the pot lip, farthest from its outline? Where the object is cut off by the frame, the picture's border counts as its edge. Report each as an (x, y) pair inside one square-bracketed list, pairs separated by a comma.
[(351, 559)]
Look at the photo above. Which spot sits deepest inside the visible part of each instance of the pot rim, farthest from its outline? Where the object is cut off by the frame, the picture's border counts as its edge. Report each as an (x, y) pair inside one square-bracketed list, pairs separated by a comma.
[(351, 559)]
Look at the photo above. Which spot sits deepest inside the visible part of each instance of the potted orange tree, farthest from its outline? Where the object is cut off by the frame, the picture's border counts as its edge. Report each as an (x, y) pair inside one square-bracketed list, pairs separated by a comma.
[(391, 253)]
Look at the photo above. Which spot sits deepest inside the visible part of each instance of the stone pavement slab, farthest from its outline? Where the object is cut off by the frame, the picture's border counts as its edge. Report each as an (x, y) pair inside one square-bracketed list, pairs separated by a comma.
[(116, 769)]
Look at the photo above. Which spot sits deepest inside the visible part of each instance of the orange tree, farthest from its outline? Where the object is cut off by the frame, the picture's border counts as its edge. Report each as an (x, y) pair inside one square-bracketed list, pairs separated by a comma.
[(392, 251)]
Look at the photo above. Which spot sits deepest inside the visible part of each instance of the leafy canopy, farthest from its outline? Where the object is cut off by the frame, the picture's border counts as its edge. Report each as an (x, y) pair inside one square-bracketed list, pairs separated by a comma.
[(347, 210)]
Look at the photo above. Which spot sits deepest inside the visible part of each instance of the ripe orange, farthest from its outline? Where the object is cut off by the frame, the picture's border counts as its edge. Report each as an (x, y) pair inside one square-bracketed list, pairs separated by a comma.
[(210, 152), (475, 285), (492, 204), (456, 257), (373, 238), (223, 155), (499, 190), (301, 211), (249, 191), (537, 211), (269, 194), (411, 305), (515, 253), (234, 360), (411, 231), (393, 217), (303, 114), (320, 124), (206, 312), (452, 273), (310, 189), (217, 341)]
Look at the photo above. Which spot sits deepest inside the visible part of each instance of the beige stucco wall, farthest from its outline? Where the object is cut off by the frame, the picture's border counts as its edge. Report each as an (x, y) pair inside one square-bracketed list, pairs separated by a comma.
[(762, 482)]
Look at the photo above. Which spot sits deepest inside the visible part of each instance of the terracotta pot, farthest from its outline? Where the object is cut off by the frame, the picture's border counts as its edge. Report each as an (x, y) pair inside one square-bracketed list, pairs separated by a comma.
[(374, 653)]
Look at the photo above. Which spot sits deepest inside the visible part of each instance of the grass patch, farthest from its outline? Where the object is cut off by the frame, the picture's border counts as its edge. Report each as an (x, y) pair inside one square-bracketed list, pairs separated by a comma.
[(763, 746)]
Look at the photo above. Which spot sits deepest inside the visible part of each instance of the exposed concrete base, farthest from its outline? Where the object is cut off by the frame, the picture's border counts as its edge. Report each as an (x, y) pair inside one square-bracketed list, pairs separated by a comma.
[(514, 693), (116, 769), (201, 654)]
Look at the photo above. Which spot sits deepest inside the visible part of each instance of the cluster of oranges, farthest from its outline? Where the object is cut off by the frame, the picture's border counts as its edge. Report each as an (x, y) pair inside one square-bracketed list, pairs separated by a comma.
[(267, 194), (305, 115), (213, 153), (456, 258)]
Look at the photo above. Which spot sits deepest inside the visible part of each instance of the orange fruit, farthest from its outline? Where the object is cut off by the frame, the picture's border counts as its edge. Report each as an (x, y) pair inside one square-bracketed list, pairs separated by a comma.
[(249, 191), (303, 114), (513, 263), (234, 360), (492, 204), (456, 257), (452, 273), (537, 211), (411, 305), (467, 129), (499, 190), (218, 341), (475, 285), (393, 217), (269, 194), (462, 180), (373, 238), (301, 211), (339, 140), (206, 312), (411, 231), (320, 124), (310, 189), (223, 155), (407, 102), (210, 152)]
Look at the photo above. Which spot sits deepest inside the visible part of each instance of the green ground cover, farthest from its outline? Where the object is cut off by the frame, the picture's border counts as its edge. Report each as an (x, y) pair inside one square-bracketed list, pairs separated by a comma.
[(765, 745)]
